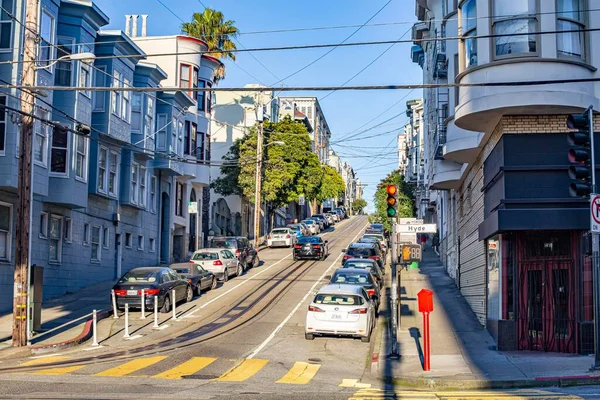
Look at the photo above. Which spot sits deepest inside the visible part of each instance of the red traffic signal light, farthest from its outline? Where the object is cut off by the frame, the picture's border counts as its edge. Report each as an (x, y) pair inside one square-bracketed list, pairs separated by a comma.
[(391, 190)]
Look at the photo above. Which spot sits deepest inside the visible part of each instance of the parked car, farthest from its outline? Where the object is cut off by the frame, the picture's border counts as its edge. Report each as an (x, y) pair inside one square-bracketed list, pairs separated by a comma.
[(380, 236), (363, 250), (323, 219), (242, 248), (311, 247), (155, 281), (360, 277), (306, 229), (281, 237), (379, 228), (199, 278), (320, 222), (343, 310), (221, 262), (334, 217), (297, 229), (340, 213), (313, 226), (368, 264), (376, 242)]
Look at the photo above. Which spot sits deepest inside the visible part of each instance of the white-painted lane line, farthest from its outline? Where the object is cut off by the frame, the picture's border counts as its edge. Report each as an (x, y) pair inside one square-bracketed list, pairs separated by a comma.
[(310, 291)]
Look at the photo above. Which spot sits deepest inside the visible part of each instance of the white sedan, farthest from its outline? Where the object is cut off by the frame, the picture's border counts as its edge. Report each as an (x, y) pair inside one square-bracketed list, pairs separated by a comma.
[(281, 237), (340, 310), (313, 226)]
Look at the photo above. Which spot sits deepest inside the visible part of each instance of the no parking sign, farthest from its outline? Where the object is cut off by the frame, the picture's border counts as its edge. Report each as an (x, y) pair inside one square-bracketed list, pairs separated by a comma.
[(595, 213)]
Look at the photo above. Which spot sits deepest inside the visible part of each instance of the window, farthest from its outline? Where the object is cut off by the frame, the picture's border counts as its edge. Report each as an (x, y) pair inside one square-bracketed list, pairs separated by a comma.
[(5, 229), (135, 170), (201, 147), (128, 240), (201, 95), (136, 112), (193, 139), (469, 28), (208, 98), (195, 83), (188, 130), (161, 121), (96, 253), (570, 17), (151, 244), (68, 230), (40, 139), (153, 194), (107, 171), (80, 157), (105, 238), (102, 158), (2, 120), (513, 17), (47, 38), (63, 69), (116, 95), (55, 239), (101, 79), (140, 245), (85, 75), (184, 76), (142, 186), (456, 91), (86, 234), (112, 173), (173, 144), (179, 141), (179, 199), (149, 121), (43, 225), (6, 24), (125, 100), (59, 154)]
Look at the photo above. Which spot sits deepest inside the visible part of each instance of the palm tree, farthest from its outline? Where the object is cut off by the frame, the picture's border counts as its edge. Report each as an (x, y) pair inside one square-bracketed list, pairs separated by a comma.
[(211, 27)]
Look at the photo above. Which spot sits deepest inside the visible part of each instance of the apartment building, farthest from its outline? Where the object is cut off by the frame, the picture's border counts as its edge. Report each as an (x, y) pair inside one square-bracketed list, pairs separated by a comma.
[(496, 156)]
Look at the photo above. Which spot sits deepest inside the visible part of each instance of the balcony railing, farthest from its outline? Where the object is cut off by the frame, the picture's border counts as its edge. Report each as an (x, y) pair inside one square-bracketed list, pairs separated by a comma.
[(440, 141), (440, 61)]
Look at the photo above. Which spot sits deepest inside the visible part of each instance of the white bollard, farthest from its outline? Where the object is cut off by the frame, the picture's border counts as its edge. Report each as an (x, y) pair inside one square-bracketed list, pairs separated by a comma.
[(174, 302), (94, 327), (155, 312), (114, 304), (143, 306), (126, 335)]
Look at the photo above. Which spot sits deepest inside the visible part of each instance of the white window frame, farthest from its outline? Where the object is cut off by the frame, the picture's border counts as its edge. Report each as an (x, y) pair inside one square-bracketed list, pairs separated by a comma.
[(581, 24), (529, 16), (125, 101), (115, 173), (3, 127), (8, 233), (58, 238), (77, 155), (86, 234), (102, 166), (9, 22), (85, 78), (43, 232), (140, 245), (148, 121), (468, 33), (161, 142), (68, 230), (67, 151), (51, 41), (151, 245), (105, 237), (135, 171), (99, 97), (152, 200), (128, 240), (115, 99), (98, 244), (41, 133), (142, 183), (137, 107), (103, 185)]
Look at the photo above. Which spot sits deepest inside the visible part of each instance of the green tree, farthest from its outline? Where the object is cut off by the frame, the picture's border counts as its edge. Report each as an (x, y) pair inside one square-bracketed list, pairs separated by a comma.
[(406, 199), (358, 205), (210, 26), (332, 185)]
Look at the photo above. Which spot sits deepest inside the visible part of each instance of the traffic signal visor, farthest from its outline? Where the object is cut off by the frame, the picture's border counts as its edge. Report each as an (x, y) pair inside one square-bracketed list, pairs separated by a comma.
[(578, 121)]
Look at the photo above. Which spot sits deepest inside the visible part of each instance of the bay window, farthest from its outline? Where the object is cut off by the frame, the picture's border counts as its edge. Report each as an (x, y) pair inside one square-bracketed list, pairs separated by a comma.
[(40, 139), (193, 140), (142, 195), (64, 68), (201, 95), (179, 199), (60, 150), (570, 17), (135, 169), (107, 172), (47, 38), (112, 173), (469, 29), (149, 121), (152, 200), (80, 157), (6, 24), (208, 97), (3, 125), (184, 76), (161, 122), (125, 100), (85, 74), (136, 112), (195, 83), (102, 157), (116, 95), (512, 19)]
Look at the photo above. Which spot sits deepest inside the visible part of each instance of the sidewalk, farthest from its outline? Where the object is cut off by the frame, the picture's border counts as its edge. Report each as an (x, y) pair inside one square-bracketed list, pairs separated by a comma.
[(463, 354)]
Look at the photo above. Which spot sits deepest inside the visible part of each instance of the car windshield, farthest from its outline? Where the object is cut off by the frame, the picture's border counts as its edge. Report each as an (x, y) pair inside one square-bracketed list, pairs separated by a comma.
[(224, 243), (140, 276), (342, 276), (339, 299), (360, 252), (309, 239), (377, 226), (183, 270), (378, 237), (205, 256), (308, 221), (358, 264), (279, 231)]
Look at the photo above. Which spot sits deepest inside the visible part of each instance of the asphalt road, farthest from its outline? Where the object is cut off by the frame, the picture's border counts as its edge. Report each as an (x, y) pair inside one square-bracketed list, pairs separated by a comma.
[(244, 340)]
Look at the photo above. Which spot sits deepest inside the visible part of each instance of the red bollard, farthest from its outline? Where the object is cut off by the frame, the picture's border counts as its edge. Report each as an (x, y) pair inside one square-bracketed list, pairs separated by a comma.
[(425, 302)]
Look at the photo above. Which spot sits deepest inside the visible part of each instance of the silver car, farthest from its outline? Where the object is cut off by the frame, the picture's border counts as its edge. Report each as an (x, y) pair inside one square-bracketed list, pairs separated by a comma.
[(313, 226), (221, 262)]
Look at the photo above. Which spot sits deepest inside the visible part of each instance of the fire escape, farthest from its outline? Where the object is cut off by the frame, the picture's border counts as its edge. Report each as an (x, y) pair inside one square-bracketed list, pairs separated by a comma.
[(440, 73)]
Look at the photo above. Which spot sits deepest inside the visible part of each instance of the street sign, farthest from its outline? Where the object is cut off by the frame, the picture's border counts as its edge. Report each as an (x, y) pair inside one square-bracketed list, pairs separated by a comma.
[(411, 253), (410, 221), (421, 228), (192, 207), (595, 213), (301, 201)]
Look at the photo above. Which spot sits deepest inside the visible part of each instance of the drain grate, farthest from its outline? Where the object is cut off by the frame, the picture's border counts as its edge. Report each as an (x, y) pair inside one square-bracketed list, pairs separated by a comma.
[(314, 360), (204, 377)]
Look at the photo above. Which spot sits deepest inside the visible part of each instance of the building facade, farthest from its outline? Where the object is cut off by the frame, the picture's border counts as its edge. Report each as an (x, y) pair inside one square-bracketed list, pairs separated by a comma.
[(511, 235)]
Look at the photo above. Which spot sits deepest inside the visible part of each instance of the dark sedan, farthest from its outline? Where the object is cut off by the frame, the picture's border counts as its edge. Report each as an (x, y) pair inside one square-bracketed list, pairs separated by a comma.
[(358, 276), (313, 247), (198, 277), (371, 265), (155, 281)]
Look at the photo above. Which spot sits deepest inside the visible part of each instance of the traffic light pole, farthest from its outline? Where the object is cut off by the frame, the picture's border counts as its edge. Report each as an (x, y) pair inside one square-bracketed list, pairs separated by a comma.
[(394, 296), (595, 250)]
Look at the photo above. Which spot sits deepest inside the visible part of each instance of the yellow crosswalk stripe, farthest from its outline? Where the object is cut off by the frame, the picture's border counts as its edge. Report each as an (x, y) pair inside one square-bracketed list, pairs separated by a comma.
[(131, 366), (59, 371), (187, 368), (44, 360), (244, 370), (378, 394), (300, 374)]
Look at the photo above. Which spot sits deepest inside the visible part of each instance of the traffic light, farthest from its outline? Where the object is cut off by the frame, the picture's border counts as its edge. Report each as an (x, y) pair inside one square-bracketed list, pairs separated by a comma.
[(392, 200), (580, 154)]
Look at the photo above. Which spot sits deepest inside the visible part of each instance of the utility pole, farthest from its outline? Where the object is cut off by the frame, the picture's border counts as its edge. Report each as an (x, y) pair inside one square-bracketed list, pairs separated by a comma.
[(258, 176), (21, 272)]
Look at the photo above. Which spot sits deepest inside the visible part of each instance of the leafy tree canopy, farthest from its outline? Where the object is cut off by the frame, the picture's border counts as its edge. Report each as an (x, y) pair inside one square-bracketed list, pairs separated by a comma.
[(359, 204), (406, 199)]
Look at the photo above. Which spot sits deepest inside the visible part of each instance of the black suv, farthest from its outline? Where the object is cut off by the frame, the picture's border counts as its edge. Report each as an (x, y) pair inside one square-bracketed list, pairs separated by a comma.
[(363, 250), (241, 246)]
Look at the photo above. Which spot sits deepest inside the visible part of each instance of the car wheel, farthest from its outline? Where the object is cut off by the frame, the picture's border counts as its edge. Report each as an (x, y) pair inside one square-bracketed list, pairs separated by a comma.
[(166, 305), (214, 283), (225, 275), (309, 336), (239, 271), (189, 294), (198, 289), (256, 262), (366, 339)]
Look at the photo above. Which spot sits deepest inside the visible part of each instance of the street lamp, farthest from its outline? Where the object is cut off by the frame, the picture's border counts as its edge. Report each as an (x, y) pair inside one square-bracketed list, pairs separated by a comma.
[(258, 179), (85, 57)]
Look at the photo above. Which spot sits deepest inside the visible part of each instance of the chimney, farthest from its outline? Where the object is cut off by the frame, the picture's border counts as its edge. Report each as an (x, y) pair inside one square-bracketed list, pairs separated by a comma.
[(134, 28), (127, 24), (144, 24)]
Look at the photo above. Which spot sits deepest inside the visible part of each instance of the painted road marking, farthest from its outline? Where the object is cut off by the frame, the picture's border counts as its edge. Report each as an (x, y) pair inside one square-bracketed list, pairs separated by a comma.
[(131, 366), (310, 292), (377, 394), (300, 374), (244, 370), (187, 368), (353, 383), (59, 371), (44, 360)]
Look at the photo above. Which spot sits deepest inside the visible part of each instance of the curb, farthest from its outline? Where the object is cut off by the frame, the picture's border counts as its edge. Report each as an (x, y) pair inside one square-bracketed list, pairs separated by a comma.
[(376, 353), (85, 334)]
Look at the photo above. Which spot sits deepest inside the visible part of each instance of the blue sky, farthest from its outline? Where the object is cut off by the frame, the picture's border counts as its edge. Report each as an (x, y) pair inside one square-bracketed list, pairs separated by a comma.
[(345, 111)]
